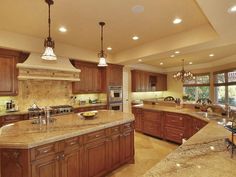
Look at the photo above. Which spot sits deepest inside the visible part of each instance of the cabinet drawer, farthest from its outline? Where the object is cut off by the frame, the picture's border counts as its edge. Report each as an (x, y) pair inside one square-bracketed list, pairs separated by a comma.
[(72, 143), (152, 128), (94, 136), (115, 130), (174, 134), (127, 127), (44, 151), (151, 116), (174, 120)]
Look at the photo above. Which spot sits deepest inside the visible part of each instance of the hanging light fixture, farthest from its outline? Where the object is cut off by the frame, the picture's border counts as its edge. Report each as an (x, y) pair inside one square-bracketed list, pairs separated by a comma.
[(183, 75), (101, 54), (49, 43)]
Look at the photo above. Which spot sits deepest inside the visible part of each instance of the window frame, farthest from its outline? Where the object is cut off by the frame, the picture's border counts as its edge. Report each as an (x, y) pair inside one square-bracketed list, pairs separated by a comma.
[(226, 83), (199, 85)]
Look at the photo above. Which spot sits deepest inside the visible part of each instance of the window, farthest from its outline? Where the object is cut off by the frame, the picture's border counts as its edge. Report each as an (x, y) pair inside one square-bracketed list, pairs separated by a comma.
[(199, 88), (225, 87)]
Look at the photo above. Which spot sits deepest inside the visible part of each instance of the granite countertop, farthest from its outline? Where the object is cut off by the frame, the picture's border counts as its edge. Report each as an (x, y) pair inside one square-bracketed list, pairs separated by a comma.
[(204, 155), (24, 134), (4, 113)]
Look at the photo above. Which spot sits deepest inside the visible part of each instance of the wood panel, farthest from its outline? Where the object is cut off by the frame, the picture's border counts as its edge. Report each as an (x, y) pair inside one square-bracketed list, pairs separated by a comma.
[(143, 81)]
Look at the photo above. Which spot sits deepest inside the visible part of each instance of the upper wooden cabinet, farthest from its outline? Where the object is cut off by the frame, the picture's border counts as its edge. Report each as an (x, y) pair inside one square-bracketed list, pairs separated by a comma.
[(114, 75), (9, 72), (90, 78), (143, 81)]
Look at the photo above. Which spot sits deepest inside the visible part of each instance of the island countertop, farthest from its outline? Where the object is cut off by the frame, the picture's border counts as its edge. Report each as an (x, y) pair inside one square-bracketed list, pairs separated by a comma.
[(204, 154), (25, 135)]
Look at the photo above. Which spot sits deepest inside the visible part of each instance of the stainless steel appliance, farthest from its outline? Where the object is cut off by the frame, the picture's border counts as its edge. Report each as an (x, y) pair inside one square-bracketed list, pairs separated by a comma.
[(118, 106), (115, 98), (115, 94), (54, 111)]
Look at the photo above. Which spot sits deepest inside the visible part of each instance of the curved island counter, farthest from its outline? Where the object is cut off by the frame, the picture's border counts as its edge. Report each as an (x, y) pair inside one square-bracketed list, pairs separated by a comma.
[(205, 152), (68, 147)]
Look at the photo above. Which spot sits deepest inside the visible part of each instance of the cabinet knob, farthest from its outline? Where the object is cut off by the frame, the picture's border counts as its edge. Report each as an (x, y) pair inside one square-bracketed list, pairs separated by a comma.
[(180, 118), (58, 157), (63, 156)]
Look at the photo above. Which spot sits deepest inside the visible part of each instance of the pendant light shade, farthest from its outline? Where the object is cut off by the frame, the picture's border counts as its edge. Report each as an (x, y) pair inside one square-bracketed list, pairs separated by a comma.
[(101, 54), (49, 43)]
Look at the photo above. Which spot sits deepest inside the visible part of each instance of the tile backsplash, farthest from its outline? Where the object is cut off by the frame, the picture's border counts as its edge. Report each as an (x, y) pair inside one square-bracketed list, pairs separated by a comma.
[(46, 93)]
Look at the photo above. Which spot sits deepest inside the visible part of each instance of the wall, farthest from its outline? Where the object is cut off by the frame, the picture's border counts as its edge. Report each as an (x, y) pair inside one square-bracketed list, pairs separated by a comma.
[(47, 93)]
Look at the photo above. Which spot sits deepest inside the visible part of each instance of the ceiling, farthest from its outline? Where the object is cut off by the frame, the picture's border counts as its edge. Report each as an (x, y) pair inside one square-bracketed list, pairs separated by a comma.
[(198, 57), (81, 18), (206, 28)]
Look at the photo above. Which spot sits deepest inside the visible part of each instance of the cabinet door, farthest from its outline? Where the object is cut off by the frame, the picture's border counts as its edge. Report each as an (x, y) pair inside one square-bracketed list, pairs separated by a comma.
[(8, 76), (79, 87), (152, 123), (46, 167), (114, 75), (197, 125), (96, 158), (114, 151), (161, 82), (174, 134), (71, 163), (127, 145)]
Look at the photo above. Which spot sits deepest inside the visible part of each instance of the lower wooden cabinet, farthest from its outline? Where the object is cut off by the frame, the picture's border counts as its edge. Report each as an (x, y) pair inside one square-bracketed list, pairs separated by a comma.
[(167, 125), (152, 123), (90, 155), (12, 118)]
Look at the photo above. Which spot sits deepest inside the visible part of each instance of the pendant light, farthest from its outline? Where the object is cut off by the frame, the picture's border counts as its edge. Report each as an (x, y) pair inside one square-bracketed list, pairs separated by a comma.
[(49, 43), (183, 75), (101, 54)]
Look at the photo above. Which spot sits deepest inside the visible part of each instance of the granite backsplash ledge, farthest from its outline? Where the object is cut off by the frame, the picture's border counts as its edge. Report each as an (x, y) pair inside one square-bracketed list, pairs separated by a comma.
[(46, 93)]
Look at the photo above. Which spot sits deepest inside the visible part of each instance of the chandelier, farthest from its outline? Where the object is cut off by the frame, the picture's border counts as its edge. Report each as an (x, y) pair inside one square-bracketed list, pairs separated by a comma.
[(49, 43), (101, 54), (183, 75)]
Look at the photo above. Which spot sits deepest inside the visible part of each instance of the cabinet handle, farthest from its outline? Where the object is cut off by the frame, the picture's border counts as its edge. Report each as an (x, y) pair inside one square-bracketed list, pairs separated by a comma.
[(180, 118), (58, 157), (62, 156), (97, 136), (45, 151), (72, 143)]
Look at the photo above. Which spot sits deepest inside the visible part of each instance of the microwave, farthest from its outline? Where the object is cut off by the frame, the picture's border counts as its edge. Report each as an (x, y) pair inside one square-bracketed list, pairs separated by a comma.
[(115, 94)]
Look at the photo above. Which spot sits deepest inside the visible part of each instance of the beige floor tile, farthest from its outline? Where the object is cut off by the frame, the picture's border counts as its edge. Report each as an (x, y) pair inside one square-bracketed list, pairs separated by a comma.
[(148, 152)]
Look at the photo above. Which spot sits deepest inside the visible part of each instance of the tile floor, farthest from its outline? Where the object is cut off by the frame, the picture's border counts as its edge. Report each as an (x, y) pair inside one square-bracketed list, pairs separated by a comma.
[(148, 152)]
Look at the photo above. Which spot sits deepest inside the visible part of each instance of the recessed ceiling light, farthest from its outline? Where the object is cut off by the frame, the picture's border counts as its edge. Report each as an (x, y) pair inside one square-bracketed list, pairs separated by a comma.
[(232, 9), (177, 52), (211, 55), (190, 63), (62, 29), (177, 21), (137, 9), (172, 56), (109, 48), (140, 60), (135, 38), (161, 63)]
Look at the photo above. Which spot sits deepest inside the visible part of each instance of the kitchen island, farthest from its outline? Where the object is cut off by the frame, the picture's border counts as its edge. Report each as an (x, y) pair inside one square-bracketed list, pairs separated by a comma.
[(204, 154), (69, 147)]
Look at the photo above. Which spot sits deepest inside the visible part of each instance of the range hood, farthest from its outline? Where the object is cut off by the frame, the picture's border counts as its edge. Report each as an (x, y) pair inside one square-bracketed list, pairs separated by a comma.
[(35, 68)]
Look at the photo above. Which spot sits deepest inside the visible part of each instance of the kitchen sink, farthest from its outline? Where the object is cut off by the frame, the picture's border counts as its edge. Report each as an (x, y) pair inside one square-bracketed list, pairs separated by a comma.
[(212, 116)]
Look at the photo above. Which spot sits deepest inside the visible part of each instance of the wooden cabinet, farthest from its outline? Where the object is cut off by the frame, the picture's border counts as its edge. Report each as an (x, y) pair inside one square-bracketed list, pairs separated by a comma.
[(197, 124), (138, 119), (90, 78), (114, 75), (127, 143), (96, 158), (90, 155), (169, 126), (12, 118), (143, 81), (9, 72), (152, 123)]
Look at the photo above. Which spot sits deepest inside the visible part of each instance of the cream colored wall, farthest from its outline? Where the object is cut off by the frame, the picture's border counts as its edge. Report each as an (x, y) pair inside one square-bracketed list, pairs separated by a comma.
[(46, 93)]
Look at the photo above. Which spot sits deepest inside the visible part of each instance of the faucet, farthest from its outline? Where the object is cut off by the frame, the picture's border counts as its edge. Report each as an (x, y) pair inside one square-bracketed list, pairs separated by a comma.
[(227, 110)]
